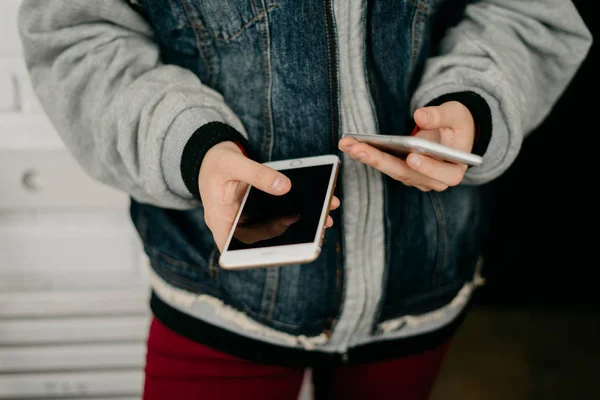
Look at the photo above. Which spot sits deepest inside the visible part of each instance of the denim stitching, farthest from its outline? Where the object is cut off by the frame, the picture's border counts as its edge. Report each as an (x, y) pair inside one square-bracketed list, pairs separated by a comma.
[(416, 34), (178, 263), (257, 316), (213, 269), (265, 294), (269, 293), (174, 12), (417, 4), (195, 28), (255, 8), (276, 272), (272, 280), (368, 79), (182, 282), (244, 26), (265, 40)]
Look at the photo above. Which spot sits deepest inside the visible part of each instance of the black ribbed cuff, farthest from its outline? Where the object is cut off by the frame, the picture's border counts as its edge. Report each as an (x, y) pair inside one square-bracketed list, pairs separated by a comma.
[(482, 115), (198, 145)]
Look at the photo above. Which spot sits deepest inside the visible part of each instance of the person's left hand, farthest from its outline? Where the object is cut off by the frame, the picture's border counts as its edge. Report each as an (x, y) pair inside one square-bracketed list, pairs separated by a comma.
[(450, 124)]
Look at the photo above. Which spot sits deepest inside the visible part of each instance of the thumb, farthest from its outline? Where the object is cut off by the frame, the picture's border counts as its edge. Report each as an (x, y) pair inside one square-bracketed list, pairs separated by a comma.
[(450, 115), (261, 177)]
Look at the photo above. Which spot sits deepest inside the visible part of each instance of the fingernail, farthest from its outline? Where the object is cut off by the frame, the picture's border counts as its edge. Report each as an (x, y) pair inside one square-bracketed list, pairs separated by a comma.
[(414, 161), (362, 156), (279, 184), (345, 147)]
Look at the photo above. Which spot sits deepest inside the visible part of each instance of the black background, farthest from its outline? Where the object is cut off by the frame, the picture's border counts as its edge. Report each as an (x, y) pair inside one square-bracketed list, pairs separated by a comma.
[(544, 240)]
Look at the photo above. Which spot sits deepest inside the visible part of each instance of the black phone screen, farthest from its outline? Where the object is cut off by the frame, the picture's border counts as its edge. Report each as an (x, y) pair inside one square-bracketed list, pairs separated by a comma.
[(292, 218)]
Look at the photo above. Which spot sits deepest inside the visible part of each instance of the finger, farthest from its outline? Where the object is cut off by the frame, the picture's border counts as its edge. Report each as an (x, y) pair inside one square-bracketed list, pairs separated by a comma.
[(423, 188), (451, 114), (329, 222), (335, 203), (219, 228), (260, 176), (346, 144), (393, 167), (448, 173), (458, 139)]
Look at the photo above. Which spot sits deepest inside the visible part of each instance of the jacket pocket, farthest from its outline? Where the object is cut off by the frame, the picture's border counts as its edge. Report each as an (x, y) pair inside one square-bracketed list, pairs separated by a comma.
[(179, 246), (296, 299), (300, 299), (433, 247)]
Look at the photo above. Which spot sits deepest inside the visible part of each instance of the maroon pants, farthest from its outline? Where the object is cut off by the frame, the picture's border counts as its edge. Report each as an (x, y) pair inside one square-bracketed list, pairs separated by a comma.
[(179, 368)]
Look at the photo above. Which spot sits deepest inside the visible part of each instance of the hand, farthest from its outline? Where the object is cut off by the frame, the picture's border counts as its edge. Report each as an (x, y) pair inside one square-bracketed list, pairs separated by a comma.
[(224, 176), (450, 124)]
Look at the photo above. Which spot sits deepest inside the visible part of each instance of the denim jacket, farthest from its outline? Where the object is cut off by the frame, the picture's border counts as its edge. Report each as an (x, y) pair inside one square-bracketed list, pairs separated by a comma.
[(398, 268)]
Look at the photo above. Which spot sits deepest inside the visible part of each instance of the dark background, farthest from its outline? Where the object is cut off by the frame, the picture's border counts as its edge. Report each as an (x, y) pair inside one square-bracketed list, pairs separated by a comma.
[(533, 331), (542, 249)]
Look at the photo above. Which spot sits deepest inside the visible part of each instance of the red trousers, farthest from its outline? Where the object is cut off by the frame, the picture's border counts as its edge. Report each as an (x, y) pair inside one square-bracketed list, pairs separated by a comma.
[(181, 369)]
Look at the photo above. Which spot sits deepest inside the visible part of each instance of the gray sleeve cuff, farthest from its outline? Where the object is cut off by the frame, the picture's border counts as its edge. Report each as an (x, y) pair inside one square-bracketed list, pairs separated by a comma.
[(180, 131)]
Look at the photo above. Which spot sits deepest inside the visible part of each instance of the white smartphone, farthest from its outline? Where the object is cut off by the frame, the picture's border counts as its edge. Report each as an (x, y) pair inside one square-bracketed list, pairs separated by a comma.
[(278, 230), (402, 146)]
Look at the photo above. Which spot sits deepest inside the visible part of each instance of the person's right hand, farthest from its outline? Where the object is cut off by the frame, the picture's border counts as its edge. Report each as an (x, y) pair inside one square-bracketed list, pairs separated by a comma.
[(224, 177), (225, 174)]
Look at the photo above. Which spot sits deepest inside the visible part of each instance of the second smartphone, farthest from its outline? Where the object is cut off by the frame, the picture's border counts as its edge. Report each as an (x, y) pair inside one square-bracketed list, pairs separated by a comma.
[(402, 146)]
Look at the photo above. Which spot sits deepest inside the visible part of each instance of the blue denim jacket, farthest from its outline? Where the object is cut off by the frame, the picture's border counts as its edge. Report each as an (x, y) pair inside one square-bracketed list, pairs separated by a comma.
[(397, 270), (394, 250)]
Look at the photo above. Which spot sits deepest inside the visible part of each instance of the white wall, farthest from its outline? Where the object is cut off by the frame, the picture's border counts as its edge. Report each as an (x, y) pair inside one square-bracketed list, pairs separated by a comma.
[(73, 291)]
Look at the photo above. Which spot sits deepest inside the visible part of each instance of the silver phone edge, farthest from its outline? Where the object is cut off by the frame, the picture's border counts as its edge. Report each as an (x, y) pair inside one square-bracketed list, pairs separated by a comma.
[(447, 152)]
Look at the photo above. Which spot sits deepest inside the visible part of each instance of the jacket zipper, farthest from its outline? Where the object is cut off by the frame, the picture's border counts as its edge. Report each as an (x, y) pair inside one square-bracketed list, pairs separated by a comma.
[(335, 135), (360, 226)]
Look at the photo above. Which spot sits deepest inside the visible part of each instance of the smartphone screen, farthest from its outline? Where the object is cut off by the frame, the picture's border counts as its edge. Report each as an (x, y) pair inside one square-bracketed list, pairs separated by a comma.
[(292, 218)]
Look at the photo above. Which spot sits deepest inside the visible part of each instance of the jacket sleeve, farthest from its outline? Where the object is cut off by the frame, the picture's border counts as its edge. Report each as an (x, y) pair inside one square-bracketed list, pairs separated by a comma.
[(124, 115), (517, 55)]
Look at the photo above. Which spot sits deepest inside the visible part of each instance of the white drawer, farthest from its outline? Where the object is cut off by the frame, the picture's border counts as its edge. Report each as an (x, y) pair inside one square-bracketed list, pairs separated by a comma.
[(105, 384), (70, 251), (40, 179), (10, 45), (16, 94), (8, 90)]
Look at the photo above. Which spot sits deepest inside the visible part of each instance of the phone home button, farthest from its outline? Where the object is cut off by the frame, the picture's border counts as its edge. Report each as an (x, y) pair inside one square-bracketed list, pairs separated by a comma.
[(296, 163)]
